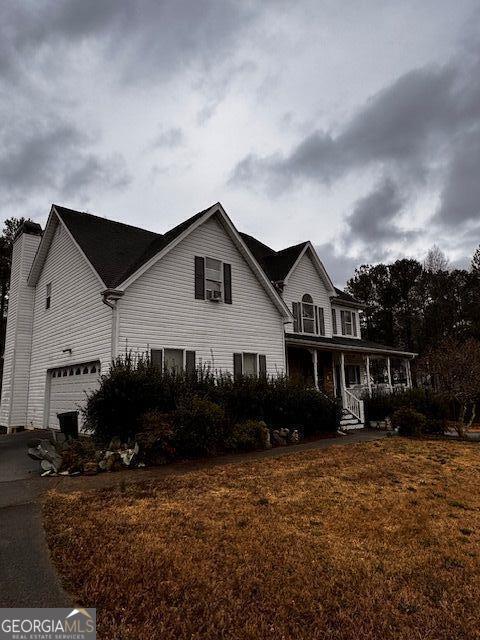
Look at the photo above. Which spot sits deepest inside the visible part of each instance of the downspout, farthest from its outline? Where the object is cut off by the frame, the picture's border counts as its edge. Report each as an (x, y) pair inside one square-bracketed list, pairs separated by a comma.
[(110, 297)]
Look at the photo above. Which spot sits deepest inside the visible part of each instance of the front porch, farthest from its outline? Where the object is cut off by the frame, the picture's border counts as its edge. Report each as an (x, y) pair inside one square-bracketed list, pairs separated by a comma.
[(348, 369)]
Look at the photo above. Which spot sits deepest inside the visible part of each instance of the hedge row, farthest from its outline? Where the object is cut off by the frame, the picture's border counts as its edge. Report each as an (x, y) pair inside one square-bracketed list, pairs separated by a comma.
[(425, 401), (131, 389)]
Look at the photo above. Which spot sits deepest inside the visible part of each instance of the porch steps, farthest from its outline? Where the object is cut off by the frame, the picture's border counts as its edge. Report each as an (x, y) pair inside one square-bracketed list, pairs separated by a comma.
[(349, 422)]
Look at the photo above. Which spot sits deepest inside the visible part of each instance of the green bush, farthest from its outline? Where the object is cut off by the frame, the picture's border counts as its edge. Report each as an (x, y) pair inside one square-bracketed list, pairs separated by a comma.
[(381, 405), (409, 422), (199, 428), (247, 436), (134, 387), (155, 439)]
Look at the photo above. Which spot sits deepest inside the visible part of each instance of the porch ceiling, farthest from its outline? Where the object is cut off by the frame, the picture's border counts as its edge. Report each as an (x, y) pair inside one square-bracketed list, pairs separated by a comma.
[(344, 344)]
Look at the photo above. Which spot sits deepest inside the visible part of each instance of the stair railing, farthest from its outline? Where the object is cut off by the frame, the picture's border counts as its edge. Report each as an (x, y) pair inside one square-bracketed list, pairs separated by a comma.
[(354, 405)]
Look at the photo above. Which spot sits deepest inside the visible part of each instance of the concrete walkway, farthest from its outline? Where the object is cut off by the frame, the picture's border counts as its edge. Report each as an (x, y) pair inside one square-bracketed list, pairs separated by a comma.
[(27, 577)]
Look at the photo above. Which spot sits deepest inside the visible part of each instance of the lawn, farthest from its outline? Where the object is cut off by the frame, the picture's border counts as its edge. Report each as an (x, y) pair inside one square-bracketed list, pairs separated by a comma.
[(377, 540)]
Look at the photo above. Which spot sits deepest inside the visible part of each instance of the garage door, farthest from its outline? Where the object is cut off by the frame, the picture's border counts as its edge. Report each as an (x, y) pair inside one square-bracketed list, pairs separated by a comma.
[(68, 386)]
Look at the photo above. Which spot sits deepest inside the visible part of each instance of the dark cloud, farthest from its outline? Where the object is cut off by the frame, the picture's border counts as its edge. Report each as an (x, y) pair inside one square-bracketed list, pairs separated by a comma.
[(136, 39), (460, 198), (38, 157), (375, 216), (423, 125)]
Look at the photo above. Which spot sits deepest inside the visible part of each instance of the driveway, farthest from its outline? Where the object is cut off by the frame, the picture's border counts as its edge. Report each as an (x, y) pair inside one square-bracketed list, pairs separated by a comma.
[(27, 577)]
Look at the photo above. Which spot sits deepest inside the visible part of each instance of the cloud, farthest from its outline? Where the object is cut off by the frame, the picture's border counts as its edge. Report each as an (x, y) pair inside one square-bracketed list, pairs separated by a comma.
[(460, 198), (53, 156), (136, 39), (375, 216), (170, 138)]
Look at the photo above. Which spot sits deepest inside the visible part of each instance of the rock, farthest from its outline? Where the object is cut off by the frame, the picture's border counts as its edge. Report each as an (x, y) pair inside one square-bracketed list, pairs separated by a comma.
[(294, 437), (90, 468), (277, 438), (115, 444)]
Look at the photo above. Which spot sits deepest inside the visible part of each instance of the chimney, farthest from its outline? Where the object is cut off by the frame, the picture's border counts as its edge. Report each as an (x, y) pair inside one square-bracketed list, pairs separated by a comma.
[(18, 341)]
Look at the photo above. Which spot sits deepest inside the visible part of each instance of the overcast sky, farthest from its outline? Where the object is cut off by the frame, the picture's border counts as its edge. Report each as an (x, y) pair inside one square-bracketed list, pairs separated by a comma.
[(353, 124)]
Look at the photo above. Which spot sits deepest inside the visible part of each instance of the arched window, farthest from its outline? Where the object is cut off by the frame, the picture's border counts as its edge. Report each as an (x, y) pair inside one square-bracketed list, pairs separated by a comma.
[(308, 314)]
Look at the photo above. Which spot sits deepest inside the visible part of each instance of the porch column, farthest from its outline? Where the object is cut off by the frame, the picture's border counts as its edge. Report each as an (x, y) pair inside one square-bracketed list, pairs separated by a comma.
[(342, 372), (315, 367), (369, 382), (409, 373), (389, 372)]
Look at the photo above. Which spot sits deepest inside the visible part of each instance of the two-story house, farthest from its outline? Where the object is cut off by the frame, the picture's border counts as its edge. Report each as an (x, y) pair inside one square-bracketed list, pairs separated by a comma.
[(87, 289)]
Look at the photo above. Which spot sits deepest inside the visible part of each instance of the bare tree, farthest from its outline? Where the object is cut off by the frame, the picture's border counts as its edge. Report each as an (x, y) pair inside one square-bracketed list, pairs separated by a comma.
[(436, 260), (475, 264), (454, 368)]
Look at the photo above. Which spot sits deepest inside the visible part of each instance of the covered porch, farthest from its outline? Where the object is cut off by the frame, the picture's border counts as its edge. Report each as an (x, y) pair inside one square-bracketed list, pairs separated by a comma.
[(348, 369)]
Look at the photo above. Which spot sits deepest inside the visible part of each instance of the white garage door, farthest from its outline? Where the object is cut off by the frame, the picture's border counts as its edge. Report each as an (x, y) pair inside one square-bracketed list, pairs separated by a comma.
[(68, 386)]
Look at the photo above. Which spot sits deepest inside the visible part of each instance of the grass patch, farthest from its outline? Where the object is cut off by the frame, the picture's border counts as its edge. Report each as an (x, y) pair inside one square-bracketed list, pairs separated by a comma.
[(356, 541)]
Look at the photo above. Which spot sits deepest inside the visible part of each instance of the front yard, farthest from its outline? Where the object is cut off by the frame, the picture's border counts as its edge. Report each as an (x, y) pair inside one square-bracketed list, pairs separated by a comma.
[(372, 541)]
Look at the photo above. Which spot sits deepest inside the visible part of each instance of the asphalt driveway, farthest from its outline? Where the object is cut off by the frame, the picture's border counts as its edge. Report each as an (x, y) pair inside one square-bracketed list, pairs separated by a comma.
[(27, 577)]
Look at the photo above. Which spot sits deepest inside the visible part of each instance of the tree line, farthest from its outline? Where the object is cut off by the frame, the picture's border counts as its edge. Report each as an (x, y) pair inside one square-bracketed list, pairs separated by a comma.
[(415, 306)]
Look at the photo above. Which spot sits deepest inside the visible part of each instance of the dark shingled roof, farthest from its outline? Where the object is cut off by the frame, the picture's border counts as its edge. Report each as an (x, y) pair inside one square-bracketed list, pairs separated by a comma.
[(276, 264), (116, 250), (346, 343), (346, 297)]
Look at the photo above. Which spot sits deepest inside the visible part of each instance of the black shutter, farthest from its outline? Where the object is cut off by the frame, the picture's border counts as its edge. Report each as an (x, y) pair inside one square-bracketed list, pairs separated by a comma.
[(199, 278), (315, 314), (296, 317), (237, 365), (190, 362), (227, 282), (156, 358), (354, 323), (334, 321), (321, 321), (342, 318), (262, 366)]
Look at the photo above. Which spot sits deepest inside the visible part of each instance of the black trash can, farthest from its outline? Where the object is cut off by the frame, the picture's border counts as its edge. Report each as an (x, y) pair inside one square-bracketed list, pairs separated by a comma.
[(69, 423)]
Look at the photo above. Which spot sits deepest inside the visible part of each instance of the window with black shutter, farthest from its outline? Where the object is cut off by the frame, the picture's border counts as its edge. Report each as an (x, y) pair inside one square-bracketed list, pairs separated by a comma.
[(296, 317), (190, 362), (156, 358), (227, 283), (262, 366), (237, 365), (334, 321)]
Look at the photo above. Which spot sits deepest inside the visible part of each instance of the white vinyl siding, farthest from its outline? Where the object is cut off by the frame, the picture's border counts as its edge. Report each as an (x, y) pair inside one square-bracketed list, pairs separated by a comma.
[(18, 342), (160, 309), (306, 280), (77, 320)]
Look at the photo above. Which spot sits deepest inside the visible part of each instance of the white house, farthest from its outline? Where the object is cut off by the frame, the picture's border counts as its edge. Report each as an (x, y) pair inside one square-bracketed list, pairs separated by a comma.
[(87, 289)]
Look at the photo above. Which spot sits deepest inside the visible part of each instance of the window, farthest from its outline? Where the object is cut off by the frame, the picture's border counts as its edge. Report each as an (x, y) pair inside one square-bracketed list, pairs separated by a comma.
[(174, 360), (213, 279), (213, 275), (48, 297), (249, 364), (307, 317), (352, 374), (334, 321), (347, 318), (308, 314)]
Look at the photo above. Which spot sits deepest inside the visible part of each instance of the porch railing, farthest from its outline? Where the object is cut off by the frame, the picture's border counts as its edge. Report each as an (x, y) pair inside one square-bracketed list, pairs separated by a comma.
[(354, 405)]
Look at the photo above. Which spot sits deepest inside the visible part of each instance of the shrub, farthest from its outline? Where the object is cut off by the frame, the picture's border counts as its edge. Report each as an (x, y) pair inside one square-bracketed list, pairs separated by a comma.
[(155, 440), (247, 436), (409, 422), (381, 405), (133, 388), (199, 428)]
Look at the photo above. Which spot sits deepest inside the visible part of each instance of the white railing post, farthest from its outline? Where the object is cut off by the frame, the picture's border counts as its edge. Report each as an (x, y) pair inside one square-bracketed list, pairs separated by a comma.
[(369, 382), (389, 372), (315, 367)]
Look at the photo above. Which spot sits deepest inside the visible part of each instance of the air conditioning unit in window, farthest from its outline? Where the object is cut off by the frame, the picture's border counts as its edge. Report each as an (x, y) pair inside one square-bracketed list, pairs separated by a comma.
[(214, 296)]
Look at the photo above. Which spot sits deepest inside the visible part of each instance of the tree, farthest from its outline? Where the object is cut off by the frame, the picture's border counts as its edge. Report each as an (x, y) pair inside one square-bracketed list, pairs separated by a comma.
[(436, 260), (454, 369), (475, 264), (10, 228)]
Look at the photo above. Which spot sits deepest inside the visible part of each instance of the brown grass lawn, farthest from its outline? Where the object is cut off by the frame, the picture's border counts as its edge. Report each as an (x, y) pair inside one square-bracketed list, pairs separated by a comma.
[(378, 540)]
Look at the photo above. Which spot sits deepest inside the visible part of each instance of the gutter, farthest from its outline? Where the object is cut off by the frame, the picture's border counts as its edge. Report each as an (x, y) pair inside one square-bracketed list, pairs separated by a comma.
[(346, 347), (110, 297)]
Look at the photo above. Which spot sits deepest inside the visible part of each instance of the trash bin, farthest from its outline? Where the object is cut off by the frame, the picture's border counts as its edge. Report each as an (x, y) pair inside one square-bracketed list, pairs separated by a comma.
[(69, 423)]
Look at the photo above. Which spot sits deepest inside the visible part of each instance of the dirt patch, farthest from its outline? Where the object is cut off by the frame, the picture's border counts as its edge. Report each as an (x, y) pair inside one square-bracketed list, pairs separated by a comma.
[(369, 541)]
